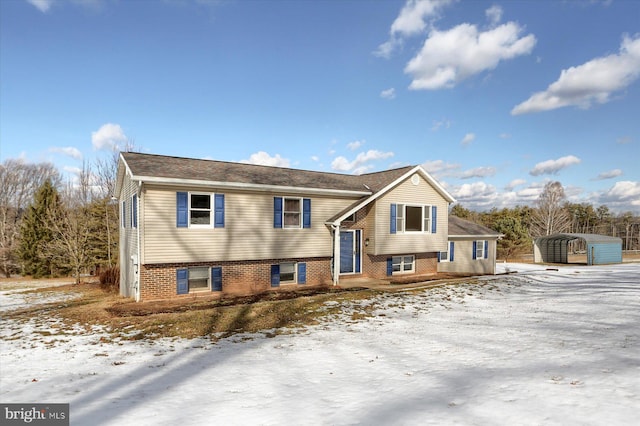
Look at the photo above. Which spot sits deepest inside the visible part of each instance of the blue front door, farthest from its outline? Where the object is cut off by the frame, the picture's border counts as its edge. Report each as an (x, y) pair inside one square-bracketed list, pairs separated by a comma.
[(349, 252)]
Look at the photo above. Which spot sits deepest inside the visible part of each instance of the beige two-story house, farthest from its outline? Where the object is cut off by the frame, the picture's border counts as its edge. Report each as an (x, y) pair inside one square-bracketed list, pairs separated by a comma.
[(191, 226)]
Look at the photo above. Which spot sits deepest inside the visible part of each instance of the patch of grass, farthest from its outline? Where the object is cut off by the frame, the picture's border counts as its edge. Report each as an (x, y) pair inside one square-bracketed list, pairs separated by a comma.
[(270, 312)]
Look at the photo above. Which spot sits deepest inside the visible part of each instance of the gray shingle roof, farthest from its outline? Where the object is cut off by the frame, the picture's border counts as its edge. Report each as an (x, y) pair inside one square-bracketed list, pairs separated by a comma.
[(160, 166), (458, 226)]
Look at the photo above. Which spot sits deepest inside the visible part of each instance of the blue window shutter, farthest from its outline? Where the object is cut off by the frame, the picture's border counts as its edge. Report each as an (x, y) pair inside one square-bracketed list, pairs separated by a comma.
[(486, 249), (358, 246), (451, 246), (277, 212), (124, 214), (275, 275), (434, 219), (302, 273), (393, 220), (219, 210), (306, 213), (475, 246), (182, 209), (438, 256), (182, 279), (390, 266), (216, 278)]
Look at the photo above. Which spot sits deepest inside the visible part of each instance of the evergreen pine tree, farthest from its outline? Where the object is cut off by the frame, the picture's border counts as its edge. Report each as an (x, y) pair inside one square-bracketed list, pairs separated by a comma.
[(36, 234)]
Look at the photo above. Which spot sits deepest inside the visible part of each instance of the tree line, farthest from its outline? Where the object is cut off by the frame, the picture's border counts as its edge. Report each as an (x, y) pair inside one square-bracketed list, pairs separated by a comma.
[(552, 213), (49, 227)]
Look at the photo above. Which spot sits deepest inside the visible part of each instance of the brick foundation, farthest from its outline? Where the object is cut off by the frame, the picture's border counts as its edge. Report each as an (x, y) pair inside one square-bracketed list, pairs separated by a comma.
[(159, 281)]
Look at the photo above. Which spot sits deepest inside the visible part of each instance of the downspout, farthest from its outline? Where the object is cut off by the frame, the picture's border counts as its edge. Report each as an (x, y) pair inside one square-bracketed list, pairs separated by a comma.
[(336, 253), (138, 193)]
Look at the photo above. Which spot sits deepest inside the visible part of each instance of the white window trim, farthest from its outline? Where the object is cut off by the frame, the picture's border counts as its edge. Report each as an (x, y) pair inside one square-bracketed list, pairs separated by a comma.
[(480, 247), (295, 273), (402, 218), (134, 219), (300, 213), (208, 288), (402, 270), (123, 213), (211, 210), (446, 257)]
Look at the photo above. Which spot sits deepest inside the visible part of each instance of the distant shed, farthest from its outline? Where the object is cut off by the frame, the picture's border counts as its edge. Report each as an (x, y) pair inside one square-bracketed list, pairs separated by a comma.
[(601, 249)]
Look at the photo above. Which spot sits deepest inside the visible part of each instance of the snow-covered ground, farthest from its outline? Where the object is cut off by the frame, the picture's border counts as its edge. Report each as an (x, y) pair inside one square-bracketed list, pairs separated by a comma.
[(539, 347)]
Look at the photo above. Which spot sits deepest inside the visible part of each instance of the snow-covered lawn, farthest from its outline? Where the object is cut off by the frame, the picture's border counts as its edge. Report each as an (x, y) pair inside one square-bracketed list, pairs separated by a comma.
[(539, 347)]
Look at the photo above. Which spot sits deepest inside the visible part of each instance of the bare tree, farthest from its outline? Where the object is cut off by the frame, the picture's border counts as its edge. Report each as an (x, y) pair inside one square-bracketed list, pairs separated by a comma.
[(70, 247), (550, 215)]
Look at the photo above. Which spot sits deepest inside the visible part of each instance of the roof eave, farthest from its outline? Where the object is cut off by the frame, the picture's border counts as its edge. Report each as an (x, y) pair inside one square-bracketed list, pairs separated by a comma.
[(439, 188), (248, 186)]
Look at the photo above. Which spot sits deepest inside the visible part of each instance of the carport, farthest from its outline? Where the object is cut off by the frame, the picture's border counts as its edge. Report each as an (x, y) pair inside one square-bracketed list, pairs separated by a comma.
[(600, 249)]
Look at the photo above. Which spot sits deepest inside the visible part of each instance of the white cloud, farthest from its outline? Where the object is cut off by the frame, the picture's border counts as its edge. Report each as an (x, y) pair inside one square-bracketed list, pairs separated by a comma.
[(516, 182), (592, 82), (477, 194), (358, 166), (609, 175), (623, 196), (388, 93), (315, 158), (412, 20), (504, 136), (468, 138), (494, 14), (444, 123), (264, 159), (68, 150), (449, 57), (441, 169), (552, 167), (355, 145), (109, 136), (42, 5), (478, 172)]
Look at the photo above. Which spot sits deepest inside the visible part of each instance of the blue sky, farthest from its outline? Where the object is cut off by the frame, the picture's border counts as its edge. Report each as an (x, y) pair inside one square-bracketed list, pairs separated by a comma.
[(494, 98)]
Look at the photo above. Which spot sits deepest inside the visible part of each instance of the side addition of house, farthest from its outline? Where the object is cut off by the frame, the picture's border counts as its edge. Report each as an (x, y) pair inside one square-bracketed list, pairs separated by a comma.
[(191, 227)]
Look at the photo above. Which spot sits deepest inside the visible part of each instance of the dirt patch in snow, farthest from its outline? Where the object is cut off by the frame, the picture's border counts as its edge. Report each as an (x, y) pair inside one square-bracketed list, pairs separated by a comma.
[(184, 305)]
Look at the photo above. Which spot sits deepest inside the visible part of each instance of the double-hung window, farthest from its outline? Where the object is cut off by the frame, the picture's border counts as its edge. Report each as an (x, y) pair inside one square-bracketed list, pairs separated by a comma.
[(447, 255), (199, 209), (292, 212), (288, 273), (444, 256), (403, 264), (480, 249), (199, 278), (412, 218)]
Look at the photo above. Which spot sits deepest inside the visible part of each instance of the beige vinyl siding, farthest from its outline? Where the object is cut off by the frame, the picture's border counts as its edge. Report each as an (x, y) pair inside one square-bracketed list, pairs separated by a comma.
[(409, 243), (128, 238), (248, 232), (464, 262)]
